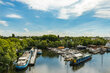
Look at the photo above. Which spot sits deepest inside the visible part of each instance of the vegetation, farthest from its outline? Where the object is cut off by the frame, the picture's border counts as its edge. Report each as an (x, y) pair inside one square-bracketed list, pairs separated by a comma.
[(11, 47)]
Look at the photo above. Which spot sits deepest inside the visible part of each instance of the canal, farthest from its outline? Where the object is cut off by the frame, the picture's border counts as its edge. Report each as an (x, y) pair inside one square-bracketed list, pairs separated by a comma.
[(49, 62)]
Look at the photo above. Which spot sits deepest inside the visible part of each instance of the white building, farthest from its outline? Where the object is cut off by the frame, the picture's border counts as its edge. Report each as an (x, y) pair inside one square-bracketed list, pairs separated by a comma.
[(108, 45)]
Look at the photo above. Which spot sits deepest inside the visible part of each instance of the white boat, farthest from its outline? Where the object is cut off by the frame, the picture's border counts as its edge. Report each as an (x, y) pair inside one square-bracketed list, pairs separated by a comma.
[(23, 61), (39, 51)]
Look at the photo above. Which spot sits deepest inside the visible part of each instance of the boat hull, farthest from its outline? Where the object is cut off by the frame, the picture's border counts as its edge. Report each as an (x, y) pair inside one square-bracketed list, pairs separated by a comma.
[(108, 50), (75, 62), (21, 67), (39, 53)]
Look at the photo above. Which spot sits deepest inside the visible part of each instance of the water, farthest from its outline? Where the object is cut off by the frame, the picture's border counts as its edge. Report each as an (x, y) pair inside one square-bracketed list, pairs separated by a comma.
[(51, 63)]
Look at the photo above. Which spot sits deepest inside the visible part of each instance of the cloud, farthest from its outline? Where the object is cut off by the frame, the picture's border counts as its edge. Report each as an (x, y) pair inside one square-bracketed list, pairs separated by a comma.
[(79, 8), (9, 3), (4, 23), (46, 5), (63, 14), (26, 30), (103, 10), (68, 8), (14, 16), (1, 2), (103, 13), (62, 34), (6, 3)]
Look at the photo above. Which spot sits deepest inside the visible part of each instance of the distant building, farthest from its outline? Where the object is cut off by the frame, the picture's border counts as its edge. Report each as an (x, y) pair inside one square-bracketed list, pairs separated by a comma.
[(94, 38), (81, 47), (107, 38), (107, 45)]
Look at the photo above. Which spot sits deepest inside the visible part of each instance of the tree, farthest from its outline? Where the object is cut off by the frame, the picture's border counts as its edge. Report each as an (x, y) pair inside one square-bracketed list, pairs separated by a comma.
[(42, 44), (50, 37), (13, 35)]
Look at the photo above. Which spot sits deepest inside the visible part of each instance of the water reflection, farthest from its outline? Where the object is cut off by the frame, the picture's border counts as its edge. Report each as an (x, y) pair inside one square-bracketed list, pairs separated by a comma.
[(49, 54), (77, 67), (50, 62)]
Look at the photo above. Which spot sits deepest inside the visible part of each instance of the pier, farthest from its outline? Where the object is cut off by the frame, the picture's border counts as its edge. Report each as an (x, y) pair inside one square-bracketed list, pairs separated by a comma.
[(33, 57)]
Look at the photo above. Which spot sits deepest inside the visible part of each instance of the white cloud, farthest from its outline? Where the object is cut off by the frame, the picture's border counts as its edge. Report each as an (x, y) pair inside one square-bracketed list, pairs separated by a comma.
[(1, 2), (14, 16), (63, 14), (69, 8), (47, 4), (4, 23), (26, 30), (103, 13), (6, 3), (9, 3), (79, 8), (103, 10)]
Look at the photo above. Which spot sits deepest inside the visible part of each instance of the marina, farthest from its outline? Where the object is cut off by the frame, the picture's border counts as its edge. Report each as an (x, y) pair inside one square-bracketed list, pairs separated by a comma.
[(55, 63), (73, 56)]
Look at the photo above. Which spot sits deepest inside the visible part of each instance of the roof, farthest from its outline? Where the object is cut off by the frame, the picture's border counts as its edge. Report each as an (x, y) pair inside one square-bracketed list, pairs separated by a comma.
[(23, 58), (61, 47), (81, 46)]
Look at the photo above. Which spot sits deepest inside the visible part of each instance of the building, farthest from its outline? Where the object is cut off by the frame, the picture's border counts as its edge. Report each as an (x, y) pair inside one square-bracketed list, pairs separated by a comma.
[(81, 47), (107, 45)]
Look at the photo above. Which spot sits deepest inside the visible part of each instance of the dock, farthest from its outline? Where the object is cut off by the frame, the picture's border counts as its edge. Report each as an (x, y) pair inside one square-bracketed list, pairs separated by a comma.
[(33, 58)]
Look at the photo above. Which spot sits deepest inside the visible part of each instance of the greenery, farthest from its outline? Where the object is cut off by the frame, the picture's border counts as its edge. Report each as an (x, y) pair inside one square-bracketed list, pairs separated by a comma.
[(12, 47)]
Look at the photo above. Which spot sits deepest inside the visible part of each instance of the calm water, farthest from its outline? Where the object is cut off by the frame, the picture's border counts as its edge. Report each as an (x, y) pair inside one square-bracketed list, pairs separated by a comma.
[(52, 63)]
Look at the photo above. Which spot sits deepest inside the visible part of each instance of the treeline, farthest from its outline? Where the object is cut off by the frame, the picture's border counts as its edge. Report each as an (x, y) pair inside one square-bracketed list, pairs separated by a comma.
[(56, 41), (11, 47)]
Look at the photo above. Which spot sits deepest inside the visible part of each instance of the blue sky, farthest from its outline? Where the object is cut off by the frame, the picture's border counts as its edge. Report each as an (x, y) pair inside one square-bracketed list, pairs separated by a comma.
[(60, 17)]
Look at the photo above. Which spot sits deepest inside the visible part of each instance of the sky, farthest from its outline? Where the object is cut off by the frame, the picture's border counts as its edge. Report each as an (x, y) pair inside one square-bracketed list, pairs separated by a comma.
[(59, 17)]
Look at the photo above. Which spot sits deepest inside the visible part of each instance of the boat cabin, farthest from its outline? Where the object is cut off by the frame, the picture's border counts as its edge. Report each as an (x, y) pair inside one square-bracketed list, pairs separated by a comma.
[(22, 61)]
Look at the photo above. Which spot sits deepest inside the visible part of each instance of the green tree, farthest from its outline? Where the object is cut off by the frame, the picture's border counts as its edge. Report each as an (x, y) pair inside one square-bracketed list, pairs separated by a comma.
[(13, 35)]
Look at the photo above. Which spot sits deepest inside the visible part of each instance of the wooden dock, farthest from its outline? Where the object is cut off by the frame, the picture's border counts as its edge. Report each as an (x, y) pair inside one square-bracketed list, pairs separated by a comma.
[(33, 58)]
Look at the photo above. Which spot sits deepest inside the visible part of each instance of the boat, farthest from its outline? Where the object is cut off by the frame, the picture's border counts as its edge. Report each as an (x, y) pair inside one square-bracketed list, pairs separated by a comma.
[(39, 51), (68, 57), (23, 61), (79, 58), (108, 50)]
